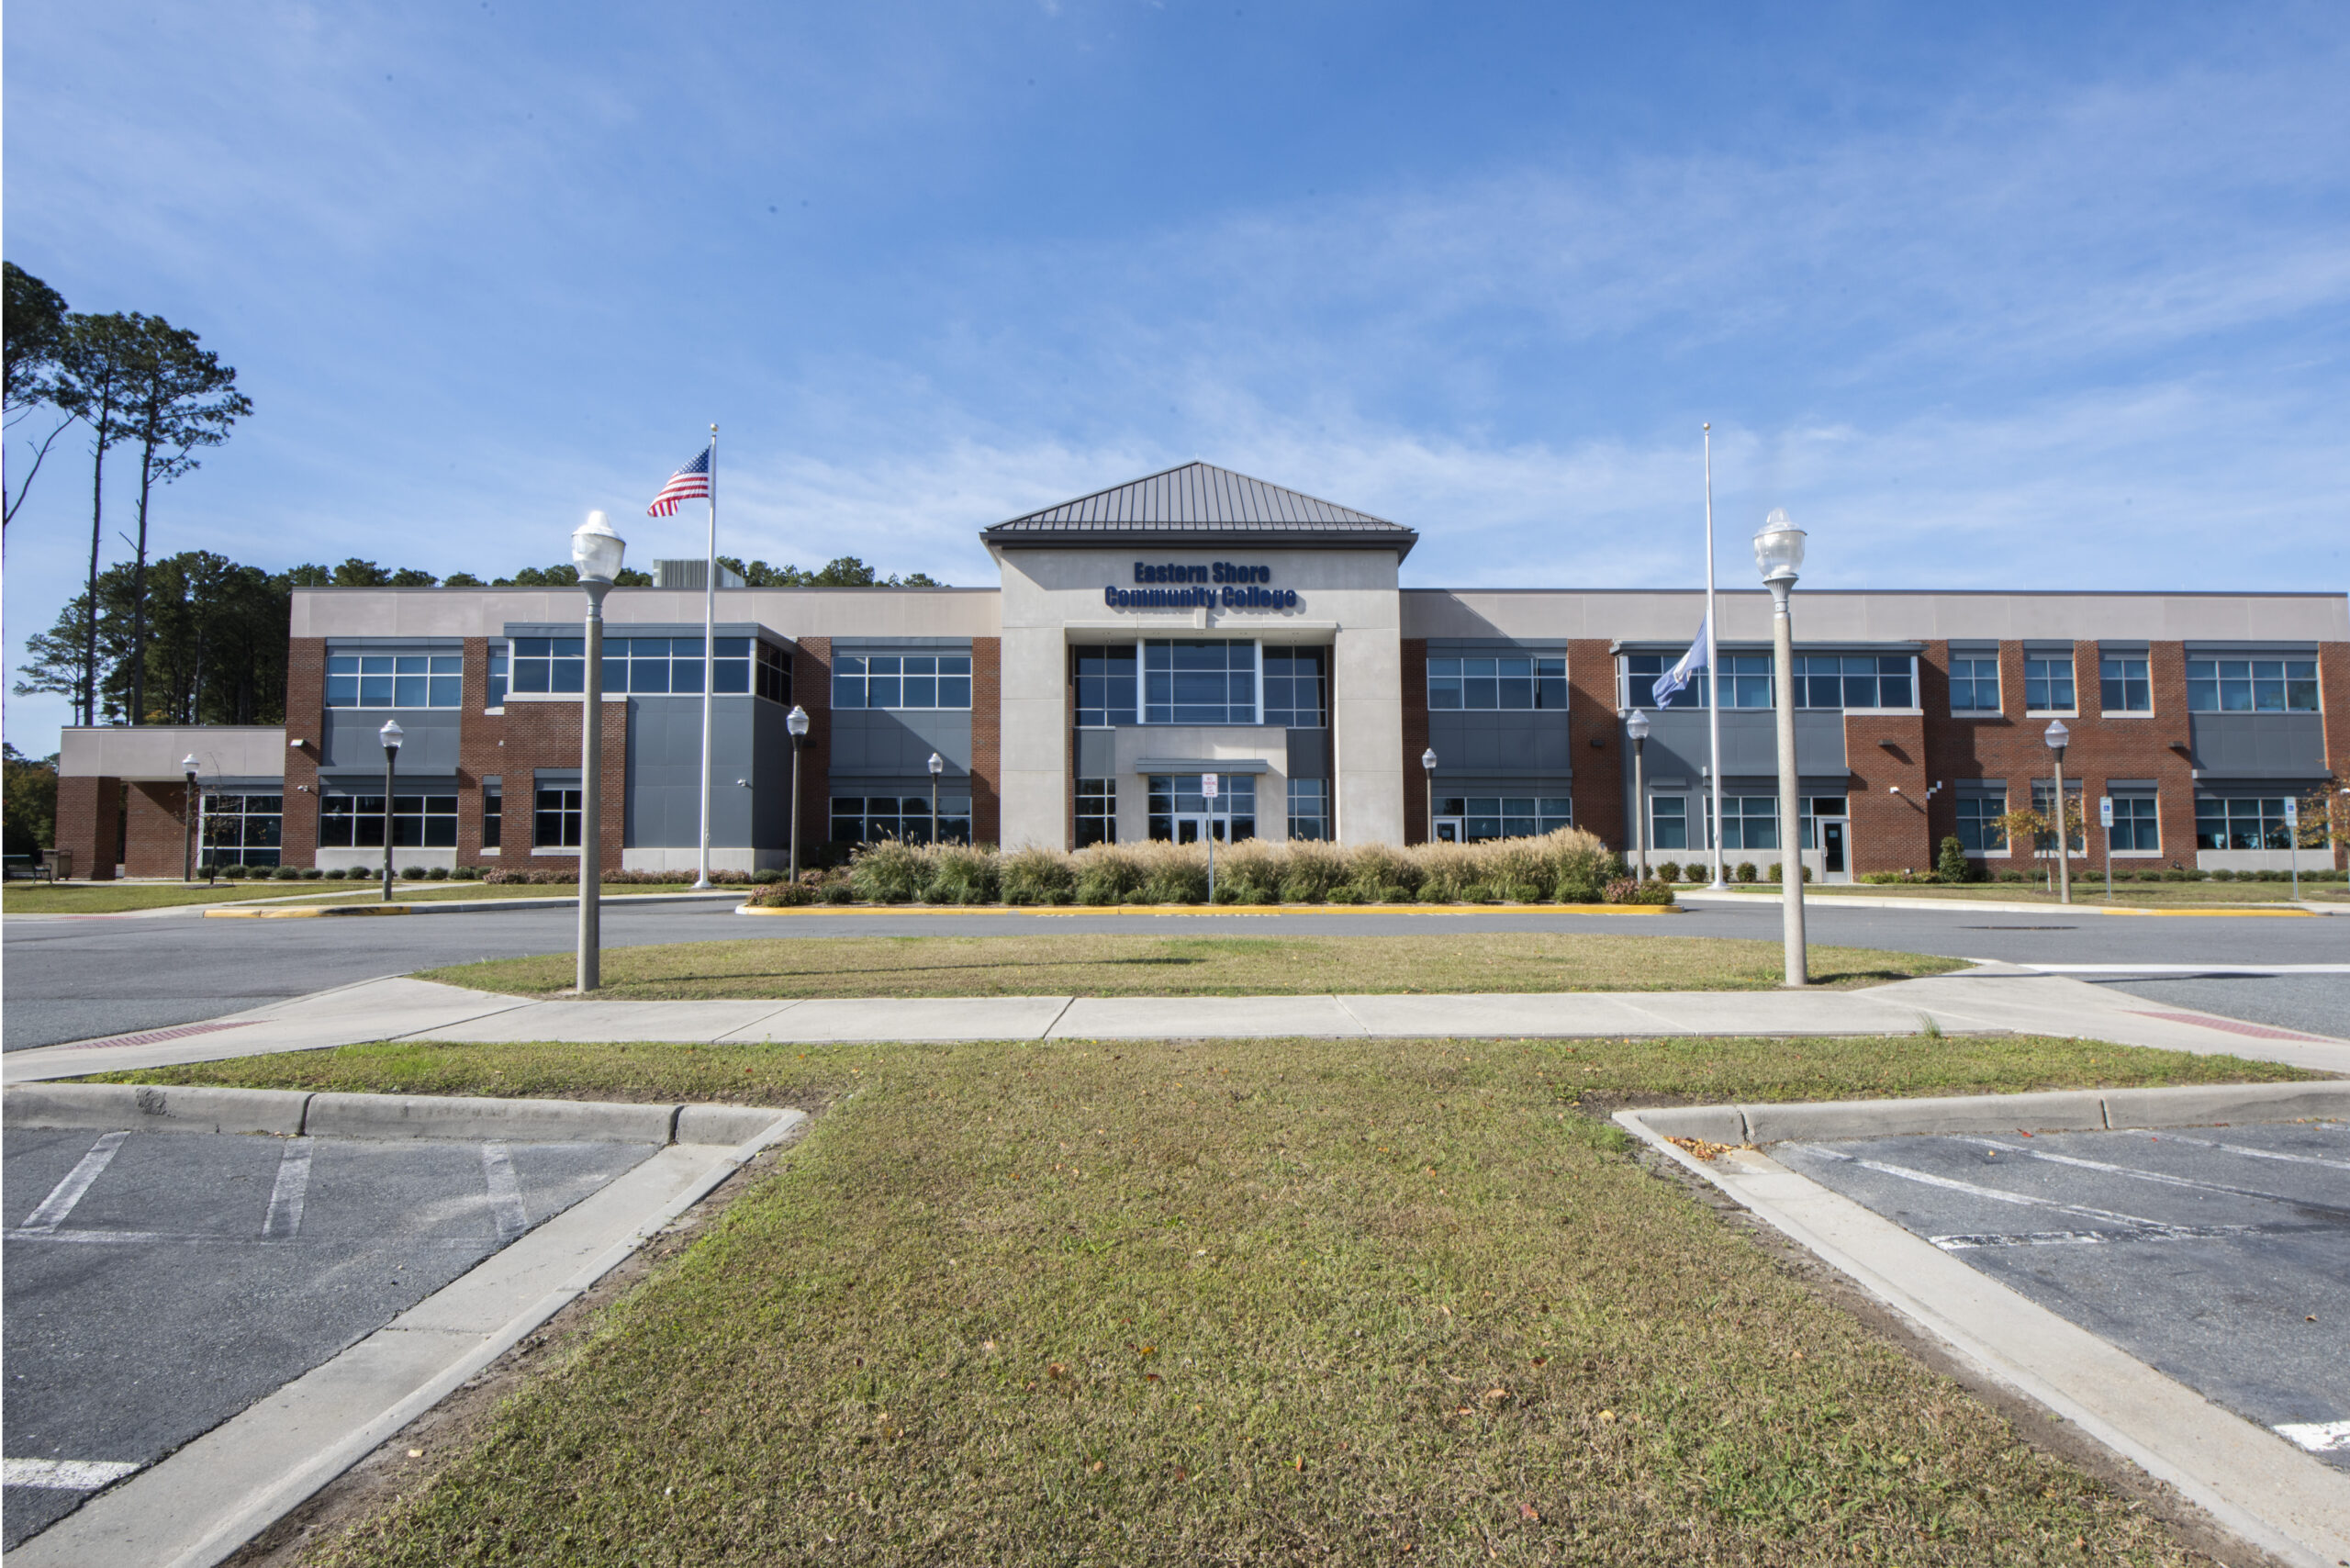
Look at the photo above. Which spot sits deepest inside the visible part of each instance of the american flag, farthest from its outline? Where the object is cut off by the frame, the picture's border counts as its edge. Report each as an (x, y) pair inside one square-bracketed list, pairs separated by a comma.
[(686, 484)]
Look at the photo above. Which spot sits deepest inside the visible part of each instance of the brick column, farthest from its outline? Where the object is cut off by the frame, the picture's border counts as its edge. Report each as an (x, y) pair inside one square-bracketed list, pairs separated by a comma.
[(2334, 695), (157, 843), (305, 707), (546, 734), (481, 754), (89, 823), (1890, 832), (987, 738), (1417, 828), (1591, 715), (812, 687)]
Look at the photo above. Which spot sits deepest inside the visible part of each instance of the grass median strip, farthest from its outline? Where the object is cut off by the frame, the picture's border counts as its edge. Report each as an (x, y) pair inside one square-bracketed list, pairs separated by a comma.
[(1119, 965), (1249, 1301)]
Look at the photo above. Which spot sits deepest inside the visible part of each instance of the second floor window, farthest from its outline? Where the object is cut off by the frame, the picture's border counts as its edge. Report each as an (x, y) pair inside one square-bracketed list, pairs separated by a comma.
[(1511, 682), (1199, 683), (1974, 683), (2048, 683), (395, 680), (1854, 680), (901, 681), (2123, 685), (1294, 688), (2251, 685)]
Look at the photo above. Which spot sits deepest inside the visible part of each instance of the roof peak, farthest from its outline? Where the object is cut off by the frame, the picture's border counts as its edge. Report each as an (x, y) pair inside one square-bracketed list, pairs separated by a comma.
[(1198, 502)]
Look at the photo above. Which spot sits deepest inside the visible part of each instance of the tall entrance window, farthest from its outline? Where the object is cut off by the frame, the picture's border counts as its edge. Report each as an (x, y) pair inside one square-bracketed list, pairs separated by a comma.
[(1199, 683), (1180, 813), (1097, 812), (241, 830), (555, 820), (1472, 819)]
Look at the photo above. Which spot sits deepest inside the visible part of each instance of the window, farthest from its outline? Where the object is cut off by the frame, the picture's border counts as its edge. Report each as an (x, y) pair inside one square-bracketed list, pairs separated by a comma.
[(1746, 681), (1514, 683), (1974, 683), (240, 830), (498, 676), (1295, 689), (1097, 812), (2241, 822), (1640, 671), (2251, 685), (1815, 807), (1485, 817), (1105, 685), (555, 820), (1978, 823), (868, 819), (418, 821), (773, 676), (901, 681), (2048, 683), (2043, 799), (2135, 826), (1178, 811), (1749, 821), (493, 807), (395, 680), (549, 664), (1309, 807), (2122, 686), (1668, 822), (1199, 683), (1855, 681)]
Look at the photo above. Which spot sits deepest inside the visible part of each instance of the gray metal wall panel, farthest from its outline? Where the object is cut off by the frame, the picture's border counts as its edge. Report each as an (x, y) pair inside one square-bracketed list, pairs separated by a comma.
[(350, 739), (2259, 745), (770, 775), (889, 742), (664, 774), (1749, 743), (1097, 753), (1506, 742), (1309, 753)]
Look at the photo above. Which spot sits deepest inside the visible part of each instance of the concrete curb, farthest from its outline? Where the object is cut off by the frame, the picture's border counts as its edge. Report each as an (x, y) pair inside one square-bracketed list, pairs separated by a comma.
[(1065, 911), (2251, 1482), (2087, 1109), (1813, 899), (452, 906), (287, 1112)]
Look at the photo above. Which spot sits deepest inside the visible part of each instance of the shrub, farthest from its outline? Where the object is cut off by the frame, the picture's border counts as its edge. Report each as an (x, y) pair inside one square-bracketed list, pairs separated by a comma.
[(1034, 876), (1174, 873), (439, 873), (1668, 870), (964, 874), (891, 871), (236, 873), (1952, 864), (1310, 870), (411, 873), (1746, 870), (467, 873), (1384, 874), (1698, 872), (1772, 875), (1623, 890), (1105, 874), (765, 876), (839, 892), (1627, 889)]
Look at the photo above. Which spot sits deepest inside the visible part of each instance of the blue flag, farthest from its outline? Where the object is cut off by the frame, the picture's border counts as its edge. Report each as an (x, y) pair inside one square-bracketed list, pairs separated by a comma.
[(1672, 682)]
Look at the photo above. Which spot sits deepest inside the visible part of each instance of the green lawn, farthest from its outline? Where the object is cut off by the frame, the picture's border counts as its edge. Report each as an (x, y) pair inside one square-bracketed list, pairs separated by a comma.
[(1254, 1302), (433, 892), (113, 898), (785, 965)]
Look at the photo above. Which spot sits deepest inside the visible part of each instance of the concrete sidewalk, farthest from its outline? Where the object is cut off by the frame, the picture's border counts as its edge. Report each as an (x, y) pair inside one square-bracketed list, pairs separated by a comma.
[(1989, 998)]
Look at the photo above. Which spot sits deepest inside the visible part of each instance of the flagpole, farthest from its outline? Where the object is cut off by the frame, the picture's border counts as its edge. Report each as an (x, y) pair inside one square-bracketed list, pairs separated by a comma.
[(708, 660), (1712, 674)]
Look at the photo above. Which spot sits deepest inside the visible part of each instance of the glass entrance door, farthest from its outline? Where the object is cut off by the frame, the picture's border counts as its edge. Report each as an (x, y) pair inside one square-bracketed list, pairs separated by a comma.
[(1832, 850), (1448, 830), (1197, 827)]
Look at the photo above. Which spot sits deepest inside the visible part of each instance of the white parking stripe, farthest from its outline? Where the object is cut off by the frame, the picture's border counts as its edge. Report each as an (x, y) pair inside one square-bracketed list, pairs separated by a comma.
[(1952, 1184), (2318, 1437), (68, 1193), (2253, 1153), (64, 1474), (2157, 1177), (285, 1220), (505, 1193)]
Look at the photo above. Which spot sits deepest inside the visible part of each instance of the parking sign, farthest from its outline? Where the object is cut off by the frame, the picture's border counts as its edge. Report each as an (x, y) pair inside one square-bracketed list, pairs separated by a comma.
[(1207, 786), (2105, 811)]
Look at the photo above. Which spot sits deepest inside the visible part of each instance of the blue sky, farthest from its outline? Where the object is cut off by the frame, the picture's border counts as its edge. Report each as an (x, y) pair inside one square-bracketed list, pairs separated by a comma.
[(2021, 297)]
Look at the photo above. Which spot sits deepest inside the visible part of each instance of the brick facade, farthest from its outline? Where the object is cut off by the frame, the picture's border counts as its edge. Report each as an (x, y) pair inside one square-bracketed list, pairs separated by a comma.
[(986, 739), (1591, 717), (89, 823), (1417, 829), (546, 734), (2333, 696), (155, 843), (306, 708), (1890, 832), (812, 687)]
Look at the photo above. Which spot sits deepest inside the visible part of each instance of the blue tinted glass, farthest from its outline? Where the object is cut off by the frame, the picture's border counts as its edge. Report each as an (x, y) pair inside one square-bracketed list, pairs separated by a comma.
[(533, 647), (375, 691), (641, 674), (448, 691), (416, 664), (882, 690), (616, 673), (448, 664), (343, 691), (960, 664), (568, 675), (342, 663), (530, 675), (955, 691), (734, 675), (733, 647), (685, 674)]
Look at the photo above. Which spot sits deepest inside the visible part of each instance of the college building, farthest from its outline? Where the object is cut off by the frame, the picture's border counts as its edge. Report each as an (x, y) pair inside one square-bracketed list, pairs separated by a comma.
[(1199, 621)]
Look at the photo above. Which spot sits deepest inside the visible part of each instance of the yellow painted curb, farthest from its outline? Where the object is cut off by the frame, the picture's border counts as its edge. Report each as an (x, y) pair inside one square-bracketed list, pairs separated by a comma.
[(308, 911), (2213, 913), (1074, 911)]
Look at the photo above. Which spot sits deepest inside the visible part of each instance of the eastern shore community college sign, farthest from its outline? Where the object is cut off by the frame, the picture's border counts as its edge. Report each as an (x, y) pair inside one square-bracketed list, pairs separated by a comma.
[(1223, 584)]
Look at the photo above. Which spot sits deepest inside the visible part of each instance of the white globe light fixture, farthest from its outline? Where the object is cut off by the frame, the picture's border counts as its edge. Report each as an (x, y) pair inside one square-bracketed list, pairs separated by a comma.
[(1778, 548), (596, 550)]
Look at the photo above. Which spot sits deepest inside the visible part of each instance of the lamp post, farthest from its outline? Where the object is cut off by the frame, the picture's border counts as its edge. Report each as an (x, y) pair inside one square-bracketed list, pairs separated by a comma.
[(2057, 734), (596, 552), (1637, 727), (391, 736), (1428, 781), (1778, 552), (797, 723), (186, 810), (937, 766)]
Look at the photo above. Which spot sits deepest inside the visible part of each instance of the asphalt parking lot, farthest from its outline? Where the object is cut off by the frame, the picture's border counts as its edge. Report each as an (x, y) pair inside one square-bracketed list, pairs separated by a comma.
[(2216, 1255), (156, 1283)]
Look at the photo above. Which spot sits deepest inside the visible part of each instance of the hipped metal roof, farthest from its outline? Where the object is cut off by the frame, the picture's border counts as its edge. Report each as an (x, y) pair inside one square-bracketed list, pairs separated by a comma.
[(1201, 504)]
